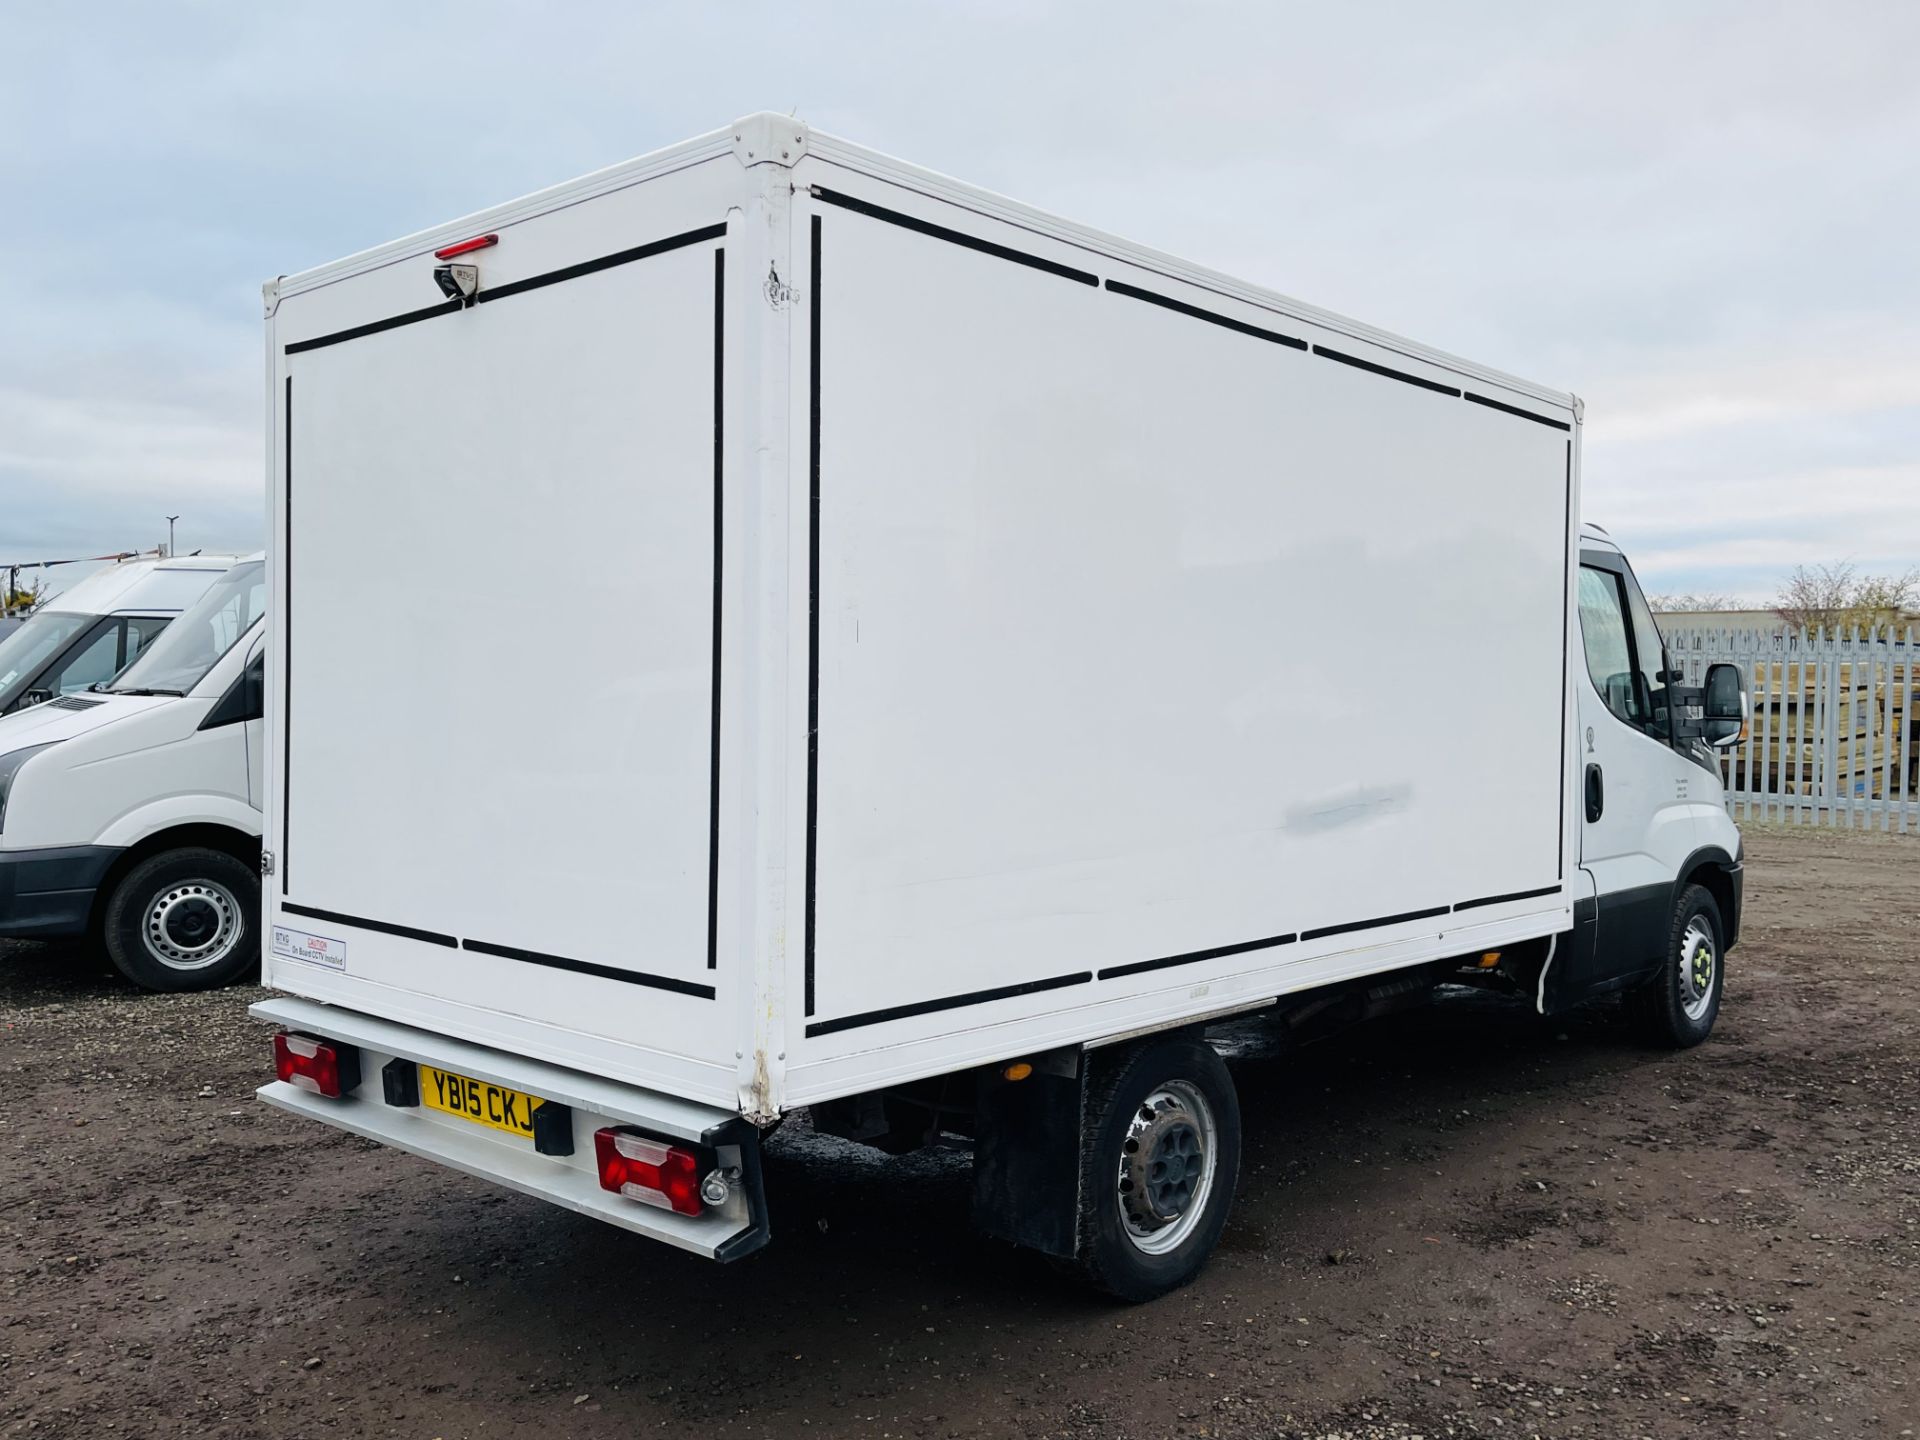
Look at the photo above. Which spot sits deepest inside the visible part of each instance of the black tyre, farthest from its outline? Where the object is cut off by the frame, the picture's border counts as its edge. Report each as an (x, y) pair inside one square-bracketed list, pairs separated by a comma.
[(1159, 1158), (184, 919), (1677, 1007)]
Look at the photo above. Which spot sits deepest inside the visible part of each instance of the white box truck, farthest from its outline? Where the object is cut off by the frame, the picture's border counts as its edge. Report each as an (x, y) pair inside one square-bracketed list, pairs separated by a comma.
[(960, 688)]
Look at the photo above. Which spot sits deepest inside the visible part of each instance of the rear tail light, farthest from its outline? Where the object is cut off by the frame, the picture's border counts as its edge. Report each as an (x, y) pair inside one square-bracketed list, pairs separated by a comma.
[(465, 247), (317, 1065), (650, 1171)]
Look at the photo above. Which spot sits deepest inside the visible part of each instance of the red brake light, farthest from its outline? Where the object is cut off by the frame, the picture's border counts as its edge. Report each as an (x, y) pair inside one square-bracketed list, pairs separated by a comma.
[(465, 247), (647, 1170), (317, 1065)]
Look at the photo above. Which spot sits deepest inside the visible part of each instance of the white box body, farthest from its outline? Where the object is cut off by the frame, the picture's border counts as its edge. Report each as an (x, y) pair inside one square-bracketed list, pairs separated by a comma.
[(812, 624)]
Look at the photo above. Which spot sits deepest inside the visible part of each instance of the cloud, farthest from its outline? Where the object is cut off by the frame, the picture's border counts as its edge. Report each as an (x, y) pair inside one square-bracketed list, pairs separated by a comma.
[(1699, 219)]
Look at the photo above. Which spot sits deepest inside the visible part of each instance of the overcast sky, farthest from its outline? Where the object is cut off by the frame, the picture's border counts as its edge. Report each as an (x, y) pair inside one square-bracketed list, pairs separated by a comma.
[(1703, 219)]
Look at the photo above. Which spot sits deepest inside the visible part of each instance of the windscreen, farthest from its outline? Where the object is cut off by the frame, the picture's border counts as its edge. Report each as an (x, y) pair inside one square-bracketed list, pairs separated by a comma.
[(24, 651), (193, 644)]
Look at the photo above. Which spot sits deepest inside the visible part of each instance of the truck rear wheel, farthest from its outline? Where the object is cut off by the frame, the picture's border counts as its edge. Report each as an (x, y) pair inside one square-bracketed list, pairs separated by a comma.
[(184, 919), (1160, 1154), (1677, 1007)]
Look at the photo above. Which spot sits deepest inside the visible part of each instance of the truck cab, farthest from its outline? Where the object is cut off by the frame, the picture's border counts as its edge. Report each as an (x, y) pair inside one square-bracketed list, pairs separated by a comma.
[(130, 810), (90, 632), (1660, 858)]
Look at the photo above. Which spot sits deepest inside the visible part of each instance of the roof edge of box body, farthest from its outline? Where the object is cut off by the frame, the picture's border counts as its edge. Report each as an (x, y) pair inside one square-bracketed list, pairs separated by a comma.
[(572, 192), (887, 169), (768, 138)]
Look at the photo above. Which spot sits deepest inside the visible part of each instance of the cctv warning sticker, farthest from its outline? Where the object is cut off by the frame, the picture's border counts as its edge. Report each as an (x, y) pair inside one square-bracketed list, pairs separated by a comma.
[(314, 949)]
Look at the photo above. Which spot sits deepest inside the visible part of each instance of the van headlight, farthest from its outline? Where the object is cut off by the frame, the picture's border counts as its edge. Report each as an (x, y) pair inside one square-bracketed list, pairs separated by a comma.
[(10, 764)]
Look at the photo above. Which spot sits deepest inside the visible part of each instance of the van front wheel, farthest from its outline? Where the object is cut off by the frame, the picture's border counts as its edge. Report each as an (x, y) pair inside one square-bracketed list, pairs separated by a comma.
[(1677, 1007), (184, 919), (1160, 1155)]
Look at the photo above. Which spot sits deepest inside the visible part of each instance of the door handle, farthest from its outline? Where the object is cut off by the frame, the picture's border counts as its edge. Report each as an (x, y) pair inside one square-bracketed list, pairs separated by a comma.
[(1596, 793)]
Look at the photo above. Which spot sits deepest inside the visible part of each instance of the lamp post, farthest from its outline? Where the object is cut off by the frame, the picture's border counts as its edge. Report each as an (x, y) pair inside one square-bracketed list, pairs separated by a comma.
[(170, 520)]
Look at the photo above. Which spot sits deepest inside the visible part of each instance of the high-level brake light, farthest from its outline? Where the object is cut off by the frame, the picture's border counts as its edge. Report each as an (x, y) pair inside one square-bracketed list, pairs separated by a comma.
[(466, 247), (318, 1065), (648, 1170)]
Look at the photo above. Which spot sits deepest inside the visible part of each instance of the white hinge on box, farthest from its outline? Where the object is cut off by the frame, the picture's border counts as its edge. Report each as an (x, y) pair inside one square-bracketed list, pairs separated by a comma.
[(266, 862), (769, 139)]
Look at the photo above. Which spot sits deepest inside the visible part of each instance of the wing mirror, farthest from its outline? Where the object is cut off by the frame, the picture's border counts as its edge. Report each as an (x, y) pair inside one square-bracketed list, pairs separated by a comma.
[(1726, 707)]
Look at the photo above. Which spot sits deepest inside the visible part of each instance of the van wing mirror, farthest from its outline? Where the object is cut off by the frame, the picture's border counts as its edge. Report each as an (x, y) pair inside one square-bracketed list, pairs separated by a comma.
[(1725, 706)]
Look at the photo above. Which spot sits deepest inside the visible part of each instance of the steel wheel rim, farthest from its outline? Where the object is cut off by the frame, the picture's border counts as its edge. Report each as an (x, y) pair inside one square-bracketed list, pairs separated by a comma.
[(1168, 1162), (192, 924), (1699, 968)]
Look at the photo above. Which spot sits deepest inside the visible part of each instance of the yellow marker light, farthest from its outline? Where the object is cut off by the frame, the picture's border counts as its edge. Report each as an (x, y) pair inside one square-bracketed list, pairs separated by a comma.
[(1019, 1070), (1490, 959)]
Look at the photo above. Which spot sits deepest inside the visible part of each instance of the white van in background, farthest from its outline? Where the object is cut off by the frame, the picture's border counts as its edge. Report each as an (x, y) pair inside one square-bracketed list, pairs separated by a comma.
[(90, 632), (132, 811)]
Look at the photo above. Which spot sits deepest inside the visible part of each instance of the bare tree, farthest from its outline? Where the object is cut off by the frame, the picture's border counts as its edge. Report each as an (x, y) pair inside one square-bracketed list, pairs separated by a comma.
[(1690, 600), (1836, 597)]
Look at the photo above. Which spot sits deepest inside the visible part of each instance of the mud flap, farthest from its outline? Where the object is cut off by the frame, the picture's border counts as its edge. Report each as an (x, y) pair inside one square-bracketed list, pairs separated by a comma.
[(1026, 1160), (1565, 981)]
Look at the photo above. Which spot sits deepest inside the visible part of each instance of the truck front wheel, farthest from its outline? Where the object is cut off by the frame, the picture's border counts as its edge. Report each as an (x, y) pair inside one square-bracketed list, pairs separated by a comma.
[(1160, 1154), (1678, 1006), (184, 919)]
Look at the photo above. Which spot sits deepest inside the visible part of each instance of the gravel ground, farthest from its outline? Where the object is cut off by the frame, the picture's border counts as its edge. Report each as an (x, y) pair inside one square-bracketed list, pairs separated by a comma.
[(1460, 1223)]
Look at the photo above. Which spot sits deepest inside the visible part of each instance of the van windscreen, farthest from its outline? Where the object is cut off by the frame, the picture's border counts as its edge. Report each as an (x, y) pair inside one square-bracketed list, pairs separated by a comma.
[(188, 648), (28, 648)]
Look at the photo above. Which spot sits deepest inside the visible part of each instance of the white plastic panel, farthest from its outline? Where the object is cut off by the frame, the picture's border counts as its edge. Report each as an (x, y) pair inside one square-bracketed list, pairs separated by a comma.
[(501, 721), (1141, 636)]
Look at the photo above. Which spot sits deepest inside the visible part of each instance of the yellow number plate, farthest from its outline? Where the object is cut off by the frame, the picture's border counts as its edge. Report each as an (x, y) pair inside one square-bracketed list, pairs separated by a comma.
[(476, 1100)]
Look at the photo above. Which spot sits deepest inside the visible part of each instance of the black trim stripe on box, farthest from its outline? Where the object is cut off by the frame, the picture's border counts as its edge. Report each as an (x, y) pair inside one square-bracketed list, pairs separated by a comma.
[(1516, 410), (1134, 292), (375, 327), (1391, 374), (813, 600), (719, 546), (1502, 899), (406, 932), (1165, 302), (587, 967), (1374, 924), (953, 237), (950, 1002), (604, 262), (515, 287), (1114, 972), (286, 649), (1566, 659)]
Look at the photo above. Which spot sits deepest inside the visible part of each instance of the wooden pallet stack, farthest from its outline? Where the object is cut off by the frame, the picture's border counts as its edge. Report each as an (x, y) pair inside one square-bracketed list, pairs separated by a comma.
[(1828, 728)]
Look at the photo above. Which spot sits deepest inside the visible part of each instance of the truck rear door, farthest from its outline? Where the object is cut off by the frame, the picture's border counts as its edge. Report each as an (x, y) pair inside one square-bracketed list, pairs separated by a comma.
[(494, 695)]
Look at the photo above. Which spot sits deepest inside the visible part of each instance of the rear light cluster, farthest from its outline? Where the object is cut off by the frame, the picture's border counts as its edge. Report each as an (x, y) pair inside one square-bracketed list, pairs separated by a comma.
[(466, 247), (317, 1065), (648, 1170)]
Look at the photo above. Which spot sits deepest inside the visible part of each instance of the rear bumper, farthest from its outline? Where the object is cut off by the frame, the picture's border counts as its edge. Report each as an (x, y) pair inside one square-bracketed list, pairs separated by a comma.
[(724, 1233), (47, 894)]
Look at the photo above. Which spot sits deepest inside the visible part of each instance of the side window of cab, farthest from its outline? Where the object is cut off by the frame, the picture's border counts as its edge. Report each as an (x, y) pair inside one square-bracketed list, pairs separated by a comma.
[(245, 698), (1625, 654), (1603, 631)]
